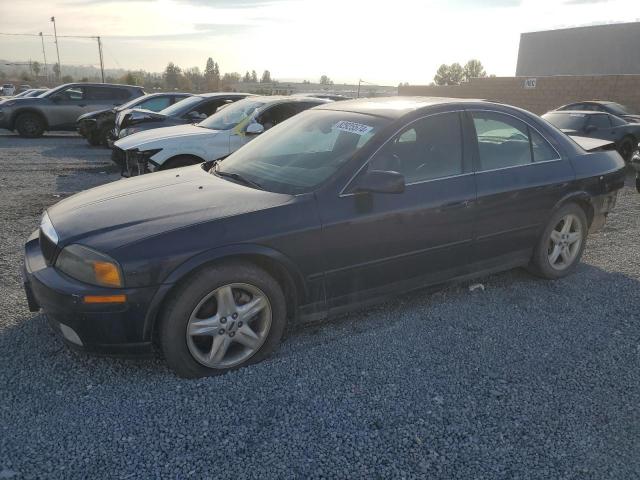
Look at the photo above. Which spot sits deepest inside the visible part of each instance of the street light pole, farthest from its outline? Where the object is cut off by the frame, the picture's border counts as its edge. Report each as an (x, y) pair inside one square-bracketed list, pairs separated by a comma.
[(101, 60), (55, 34), (44, 54), (359, 82)]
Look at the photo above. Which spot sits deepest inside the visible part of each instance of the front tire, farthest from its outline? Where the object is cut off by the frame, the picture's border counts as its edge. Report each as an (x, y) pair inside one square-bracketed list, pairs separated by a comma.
[(221, 318), (30, 125), (562, 243)]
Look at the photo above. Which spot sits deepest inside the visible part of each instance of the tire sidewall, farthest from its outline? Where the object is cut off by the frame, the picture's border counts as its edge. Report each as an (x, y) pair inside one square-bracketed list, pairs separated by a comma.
[(174, 320), (540, 261), (22, 118)]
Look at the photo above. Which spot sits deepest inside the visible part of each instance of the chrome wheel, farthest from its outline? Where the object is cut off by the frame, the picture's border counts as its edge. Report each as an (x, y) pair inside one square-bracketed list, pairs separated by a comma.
[(565, 242), (229, 325)]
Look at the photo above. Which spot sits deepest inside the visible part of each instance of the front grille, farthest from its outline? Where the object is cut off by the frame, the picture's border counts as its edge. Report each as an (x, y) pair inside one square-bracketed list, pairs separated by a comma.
[(48, 248)]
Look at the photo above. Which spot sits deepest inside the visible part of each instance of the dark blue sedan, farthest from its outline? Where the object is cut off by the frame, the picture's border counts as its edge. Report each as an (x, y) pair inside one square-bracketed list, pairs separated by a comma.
[(341, 205)]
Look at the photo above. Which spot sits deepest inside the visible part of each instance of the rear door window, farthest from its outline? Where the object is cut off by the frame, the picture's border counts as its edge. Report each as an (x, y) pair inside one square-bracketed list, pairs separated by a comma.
[(504, 141), (156, 104)]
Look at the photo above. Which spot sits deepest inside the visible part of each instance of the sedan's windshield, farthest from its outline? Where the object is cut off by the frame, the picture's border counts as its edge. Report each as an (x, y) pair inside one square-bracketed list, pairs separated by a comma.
[(301, 153), (231, 115), (563, 121), (181, 107)]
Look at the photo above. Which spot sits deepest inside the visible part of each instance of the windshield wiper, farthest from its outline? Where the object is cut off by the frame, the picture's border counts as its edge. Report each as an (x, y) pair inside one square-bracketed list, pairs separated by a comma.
[(235, 176)]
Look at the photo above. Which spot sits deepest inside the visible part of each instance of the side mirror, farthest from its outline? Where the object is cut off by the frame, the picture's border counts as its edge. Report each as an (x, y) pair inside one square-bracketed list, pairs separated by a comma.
[(590, 128), (254, 129), (381, 181)]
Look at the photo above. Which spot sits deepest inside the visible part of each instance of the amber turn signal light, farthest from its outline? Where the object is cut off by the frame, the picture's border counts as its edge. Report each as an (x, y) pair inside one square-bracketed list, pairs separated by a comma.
[(107, 274), (104, 299)]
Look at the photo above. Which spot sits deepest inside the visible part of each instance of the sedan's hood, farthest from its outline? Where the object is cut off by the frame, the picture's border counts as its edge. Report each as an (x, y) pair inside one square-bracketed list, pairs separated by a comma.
[(95, 113), (145, 137), (124, 211)]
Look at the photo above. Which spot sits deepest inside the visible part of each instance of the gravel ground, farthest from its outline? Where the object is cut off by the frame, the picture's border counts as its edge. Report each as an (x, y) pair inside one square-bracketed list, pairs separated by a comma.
[(527, 379)]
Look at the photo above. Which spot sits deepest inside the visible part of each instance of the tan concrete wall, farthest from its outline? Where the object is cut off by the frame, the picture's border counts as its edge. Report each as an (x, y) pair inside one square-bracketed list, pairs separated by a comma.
[(550, 92)]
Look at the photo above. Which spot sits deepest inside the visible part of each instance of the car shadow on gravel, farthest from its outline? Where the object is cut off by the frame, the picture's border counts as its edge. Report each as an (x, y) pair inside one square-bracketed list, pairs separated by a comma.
[(590, 304)]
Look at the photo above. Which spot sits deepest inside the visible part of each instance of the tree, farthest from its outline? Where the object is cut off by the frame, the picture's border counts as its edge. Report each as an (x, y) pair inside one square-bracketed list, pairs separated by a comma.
[(56, 70), (35, 66), (456, 74), (324, 80), (24, 76), (195, 78), (129, 79), (172, 75), (266, 77), (254, 76), (474, 69), (247, 77), (212, 75), (449, 74), (67, 79), (233, 77), (442, 75)]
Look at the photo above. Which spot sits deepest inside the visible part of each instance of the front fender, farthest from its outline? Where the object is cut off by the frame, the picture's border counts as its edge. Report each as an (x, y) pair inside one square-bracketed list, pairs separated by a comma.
[(210, 256)]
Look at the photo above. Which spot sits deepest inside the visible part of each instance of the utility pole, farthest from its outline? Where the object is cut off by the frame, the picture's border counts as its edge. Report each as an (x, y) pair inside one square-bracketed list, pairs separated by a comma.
[(55, 34), (359, 82), (44, 54), (101, 60)]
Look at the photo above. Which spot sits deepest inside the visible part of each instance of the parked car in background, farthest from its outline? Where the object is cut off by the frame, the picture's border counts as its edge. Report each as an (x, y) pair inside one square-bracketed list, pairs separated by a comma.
[(32, 92), (97, 127), (613, 108), (8, 89), (190, 110), (217, 136), (598, 125), (23, 88), (346, 203), (59, 108)]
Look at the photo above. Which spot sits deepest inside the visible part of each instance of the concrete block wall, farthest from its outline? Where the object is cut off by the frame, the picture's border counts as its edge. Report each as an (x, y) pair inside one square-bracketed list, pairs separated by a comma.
[(549, 93)]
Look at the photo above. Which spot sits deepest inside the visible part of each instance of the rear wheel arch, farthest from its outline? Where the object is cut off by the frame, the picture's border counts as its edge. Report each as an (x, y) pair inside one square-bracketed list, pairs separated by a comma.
[(582, 199), (274, 263)]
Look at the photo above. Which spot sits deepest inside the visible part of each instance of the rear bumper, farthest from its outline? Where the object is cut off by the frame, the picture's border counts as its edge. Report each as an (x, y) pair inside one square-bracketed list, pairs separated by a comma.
[(101, 328)]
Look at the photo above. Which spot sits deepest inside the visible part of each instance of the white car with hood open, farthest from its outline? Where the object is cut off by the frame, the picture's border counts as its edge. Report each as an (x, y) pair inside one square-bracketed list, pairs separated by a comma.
[(215, 137)]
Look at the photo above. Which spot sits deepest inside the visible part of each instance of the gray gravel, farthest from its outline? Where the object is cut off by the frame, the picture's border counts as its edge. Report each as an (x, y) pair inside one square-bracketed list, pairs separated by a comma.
[(527, 379)]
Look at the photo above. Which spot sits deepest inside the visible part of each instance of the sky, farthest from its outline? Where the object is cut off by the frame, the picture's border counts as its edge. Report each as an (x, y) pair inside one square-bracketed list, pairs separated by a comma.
[(379, 41)]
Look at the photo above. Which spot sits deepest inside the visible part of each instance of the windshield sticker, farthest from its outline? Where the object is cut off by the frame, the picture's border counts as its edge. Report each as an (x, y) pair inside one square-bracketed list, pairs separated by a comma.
[(352, 127)]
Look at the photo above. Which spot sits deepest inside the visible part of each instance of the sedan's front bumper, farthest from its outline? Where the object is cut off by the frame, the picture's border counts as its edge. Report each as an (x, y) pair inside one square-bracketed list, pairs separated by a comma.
[(100, 328)]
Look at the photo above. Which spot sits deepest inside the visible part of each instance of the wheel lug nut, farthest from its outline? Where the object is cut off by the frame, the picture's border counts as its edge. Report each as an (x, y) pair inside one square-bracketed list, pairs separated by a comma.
[(239, 324), (234, 316), (223, 320), (221, 331), (231, 334)]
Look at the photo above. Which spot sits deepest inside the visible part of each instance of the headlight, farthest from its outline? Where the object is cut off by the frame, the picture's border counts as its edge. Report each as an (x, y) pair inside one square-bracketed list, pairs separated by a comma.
[(89, 266), (47, 228)]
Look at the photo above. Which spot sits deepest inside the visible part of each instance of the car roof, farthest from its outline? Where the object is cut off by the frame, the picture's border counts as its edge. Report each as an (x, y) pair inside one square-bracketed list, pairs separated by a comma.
[(95, 84), (576, 112), (396, 107), (288, 98), (222, 94)]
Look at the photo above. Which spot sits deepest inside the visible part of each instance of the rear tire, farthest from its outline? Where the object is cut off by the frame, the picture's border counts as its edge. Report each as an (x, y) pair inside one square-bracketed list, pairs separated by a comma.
[(205, 316), (180, 161), (562, 243), (30, 125)]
